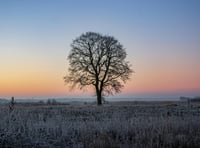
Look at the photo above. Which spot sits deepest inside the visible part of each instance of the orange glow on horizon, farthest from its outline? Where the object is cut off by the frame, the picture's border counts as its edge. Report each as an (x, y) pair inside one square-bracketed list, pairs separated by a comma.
[(47, 83)]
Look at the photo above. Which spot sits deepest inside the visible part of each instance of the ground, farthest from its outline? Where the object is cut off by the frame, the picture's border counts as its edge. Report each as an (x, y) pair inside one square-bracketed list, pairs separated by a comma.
[(117, 124)]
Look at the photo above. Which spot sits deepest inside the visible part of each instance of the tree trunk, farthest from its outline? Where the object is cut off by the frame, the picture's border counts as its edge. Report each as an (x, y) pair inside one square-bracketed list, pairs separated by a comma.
[(99, 99), (98, 92)]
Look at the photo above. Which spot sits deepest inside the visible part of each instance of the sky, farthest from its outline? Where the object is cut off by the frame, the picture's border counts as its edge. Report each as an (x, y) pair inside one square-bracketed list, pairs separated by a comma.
[(161, 38)]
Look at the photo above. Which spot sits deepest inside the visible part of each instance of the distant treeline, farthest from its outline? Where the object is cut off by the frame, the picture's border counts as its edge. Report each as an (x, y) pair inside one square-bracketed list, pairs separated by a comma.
[(195, 99)]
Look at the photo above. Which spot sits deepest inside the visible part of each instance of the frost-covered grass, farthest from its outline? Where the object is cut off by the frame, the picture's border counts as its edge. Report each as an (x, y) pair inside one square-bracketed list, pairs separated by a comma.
[(140, 126)]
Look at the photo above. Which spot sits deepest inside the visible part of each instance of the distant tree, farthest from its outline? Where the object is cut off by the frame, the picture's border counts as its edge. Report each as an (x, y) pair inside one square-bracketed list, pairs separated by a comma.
[(99, 61)]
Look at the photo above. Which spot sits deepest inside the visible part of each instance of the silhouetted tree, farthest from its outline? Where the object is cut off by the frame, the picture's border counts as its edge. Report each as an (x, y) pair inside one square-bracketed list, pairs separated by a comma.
[(98, 60)]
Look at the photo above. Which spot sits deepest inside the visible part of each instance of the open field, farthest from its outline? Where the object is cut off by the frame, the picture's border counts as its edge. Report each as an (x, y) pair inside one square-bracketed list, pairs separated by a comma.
[(119, 124)]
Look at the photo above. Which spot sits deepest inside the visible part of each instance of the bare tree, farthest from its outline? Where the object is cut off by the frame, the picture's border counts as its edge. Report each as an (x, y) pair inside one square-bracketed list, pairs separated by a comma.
[(99, 61)]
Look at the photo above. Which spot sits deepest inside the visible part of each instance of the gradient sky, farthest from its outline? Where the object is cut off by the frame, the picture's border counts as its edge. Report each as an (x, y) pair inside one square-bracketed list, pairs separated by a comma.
[(162, 40)]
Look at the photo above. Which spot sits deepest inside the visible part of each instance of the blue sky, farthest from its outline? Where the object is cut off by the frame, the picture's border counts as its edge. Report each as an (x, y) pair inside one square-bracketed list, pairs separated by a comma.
[(162, 39)]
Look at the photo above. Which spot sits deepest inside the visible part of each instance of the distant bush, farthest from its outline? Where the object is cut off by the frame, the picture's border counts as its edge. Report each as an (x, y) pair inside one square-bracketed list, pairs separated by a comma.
[(196, 99), (41, 102), (184, 98), (52, 102)]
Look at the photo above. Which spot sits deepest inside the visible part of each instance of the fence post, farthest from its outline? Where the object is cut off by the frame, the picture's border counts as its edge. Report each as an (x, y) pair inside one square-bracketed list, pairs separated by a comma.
[(12, 103)]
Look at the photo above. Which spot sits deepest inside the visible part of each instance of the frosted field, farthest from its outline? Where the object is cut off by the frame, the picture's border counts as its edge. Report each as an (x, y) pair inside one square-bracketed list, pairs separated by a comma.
[(140, 125)]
